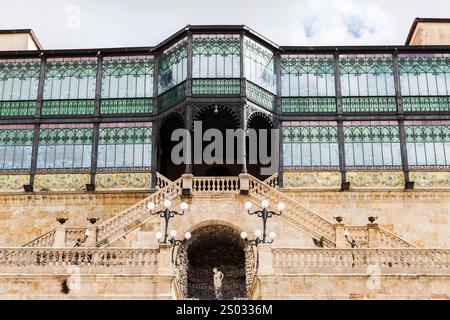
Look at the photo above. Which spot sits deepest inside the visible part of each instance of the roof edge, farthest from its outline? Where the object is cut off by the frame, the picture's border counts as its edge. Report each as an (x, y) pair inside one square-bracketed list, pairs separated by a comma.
[(28, 31), (419, 20)]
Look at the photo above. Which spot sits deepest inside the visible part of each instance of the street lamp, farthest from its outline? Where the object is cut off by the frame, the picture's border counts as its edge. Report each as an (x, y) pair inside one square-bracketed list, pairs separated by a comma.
[(265, 214), (173, 241), (258, 239), (352, 242), (166, 214)]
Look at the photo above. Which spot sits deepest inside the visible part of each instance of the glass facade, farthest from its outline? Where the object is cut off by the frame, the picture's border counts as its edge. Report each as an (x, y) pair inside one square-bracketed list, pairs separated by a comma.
[(428, 144), (125, 146), (425, 82), (16, 143), (367, 83), (111, 117), (372, 145), (307, 83), (310, 145), (127, 85), (19, 80), (65, 146), (69, 86)]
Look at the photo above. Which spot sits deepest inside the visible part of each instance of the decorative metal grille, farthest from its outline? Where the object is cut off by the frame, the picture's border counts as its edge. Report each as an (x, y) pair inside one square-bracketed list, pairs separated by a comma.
[(428, 144), (307, 83), (310, 146), (124, 80), (372, 145), (425, 82), (125, 146), (16, 143), (216, 56), (216, 86), (172, 68), (65, 146), (367, 83), (70, 81), (172, 96), (260, 96), (19, 79), (259, 65)]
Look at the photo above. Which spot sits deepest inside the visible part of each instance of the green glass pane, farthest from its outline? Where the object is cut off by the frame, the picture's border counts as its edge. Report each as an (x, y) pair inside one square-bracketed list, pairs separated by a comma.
[(121, 106), (172, 96), (369, 104), (308, 104), (260, 96), (17, 108), (69, 136), (67, 107), (216, 86)]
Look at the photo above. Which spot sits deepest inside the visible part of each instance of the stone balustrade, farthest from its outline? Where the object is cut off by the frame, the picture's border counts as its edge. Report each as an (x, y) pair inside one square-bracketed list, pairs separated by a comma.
[(215, 185), (361, 261), (134, 215), (162, 181), (30, 260), (272, 180), (304, 218), (45, 240)]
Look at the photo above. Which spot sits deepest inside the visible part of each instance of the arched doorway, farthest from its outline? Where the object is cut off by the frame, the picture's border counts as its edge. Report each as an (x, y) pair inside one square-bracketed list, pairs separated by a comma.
[(259, 121), (220, 118), (166, 167), (216, 246)]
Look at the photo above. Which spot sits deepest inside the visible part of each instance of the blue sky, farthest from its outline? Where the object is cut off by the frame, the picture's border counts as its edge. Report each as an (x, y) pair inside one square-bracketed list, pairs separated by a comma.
[(114, 23)]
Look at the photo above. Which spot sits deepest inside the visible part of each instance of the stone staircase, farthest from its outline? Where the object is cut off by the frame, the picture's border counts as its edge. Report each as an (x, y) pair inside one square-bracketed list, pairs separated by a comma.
[(296, 214)]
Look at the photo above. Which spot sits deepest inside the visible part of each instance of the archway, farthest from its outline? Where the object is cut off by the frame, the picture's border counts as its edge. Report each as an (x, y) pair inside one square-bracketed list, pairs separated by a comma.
[(220, 118), (166, 166), (216, 246), (259, 121)]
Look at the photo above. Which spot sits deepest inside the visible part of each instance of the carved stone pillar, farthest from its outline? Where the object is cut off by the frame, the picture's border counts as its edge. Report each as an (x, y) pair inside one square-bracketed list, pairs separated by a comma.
[(341, 242), (244, 183), (374, 235), (165, 260), (60, 237), (91, 239), (265, 257)]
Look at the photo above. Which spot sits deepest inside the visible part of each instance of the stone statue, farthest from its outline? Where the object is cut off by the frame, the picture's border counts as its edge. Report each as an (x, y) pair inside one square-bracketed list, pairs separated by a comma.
[(218, 277)]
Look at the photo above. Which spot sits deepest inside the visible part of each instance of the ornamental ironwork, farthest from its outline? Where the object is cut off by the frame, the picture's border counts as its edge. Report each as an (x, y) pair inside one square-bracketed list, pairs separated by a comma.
[(16, 143), (172, 68)]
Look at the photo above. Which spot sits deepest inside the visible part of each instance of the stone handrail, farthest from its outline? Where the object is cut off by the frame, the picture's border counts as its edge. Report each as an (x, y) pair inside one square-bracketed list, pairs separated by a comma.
[(391, 240), (272, 180), (304, 218), (73, 234), (361, 261), (34, 259), (129, 219), (162, 181), (215, 185), (45, 240)]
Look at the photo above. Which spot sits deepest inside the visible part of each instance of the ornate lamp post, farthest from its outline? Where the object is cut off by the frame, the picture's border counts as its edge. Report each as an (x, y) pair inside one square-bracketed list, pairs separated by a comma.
[(258, 239), (166, 214), (173, 241), (264, 214), (352, 242)]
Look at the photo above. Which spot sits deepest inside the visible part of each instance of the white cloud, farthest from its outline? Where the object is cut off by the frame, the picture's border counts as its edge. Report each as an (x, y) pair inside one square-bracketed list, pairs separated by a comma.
[(116, 23)]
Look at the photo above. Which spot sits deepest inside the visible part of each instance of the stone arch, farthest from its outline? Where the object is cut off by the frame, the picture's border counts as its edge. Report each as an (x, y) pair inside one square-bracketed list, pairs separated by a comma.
[(215, 244)]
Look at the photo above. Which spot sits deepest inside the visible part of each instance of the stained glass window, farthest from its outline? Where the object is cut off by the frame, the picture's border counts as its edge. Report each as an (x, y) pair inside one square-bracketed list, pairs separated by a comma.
[(425, 82), (372, 145), (307, 83), (367, 83), (65, 146), (16, 143), (428, 144), (69, 86), (125, 146), (19, 79), (260, 65), (127, 84), (310, 145), (172, 66)]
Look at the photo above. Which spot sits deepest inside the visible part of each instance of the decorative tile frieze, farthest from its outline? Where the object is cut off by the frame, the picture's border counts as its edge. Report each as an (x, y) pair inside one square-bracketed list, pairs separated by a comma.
[(430, 180), (376, 180), (123, 181), (312, 180), (13, 182), (61, 182)]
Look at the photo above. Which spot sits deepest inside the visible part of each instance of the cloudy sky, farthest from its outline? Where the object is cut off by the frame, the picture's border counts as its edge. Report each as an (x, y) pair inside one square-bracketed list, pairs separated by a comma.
[(114, 23)]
